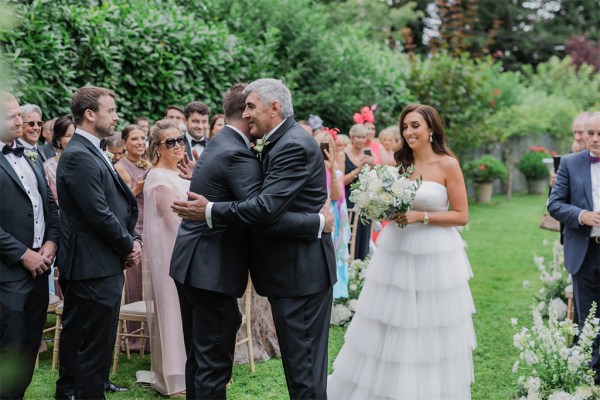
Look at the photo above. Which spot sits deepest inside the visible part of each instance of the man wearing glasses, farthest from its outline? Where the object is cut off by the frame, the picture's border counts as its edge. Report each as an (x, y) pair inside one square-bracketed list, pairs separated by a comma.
[(32, 129)]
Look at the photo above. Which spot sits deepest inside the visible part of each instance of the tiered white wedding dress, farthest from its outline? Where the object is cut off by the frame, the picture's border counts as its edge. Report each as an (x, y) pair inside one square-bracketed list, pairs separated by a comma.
[(412, 335)]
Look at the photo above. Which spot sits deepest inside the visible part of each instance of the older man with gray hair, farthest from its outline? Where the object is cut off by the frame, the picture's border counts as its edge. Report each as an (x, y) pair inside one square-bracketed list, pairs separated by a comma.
[(31, 129), (295, 272), (575, 202)]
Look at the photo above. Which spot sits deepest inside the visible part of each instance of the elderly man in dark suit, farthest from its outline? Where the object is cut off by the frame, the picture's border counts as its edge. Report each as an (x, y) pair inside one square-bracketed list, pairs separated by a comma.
[(98, 216), (29, 234), (210, 265), (575, 202), (295, 273)]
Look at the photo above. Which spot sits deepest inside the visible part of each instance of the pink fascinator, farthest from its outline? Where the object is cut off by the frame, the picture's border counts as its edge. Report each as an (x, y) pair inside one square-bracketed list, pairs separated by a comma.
[(366, 115), (333, 132)]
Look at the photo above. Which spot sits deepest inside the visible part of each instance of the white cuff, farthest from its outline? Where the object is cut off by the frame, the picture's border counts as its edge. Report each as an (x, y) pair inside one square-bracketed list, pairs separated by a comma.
[(579, 218), (321, 225), (208, 214)]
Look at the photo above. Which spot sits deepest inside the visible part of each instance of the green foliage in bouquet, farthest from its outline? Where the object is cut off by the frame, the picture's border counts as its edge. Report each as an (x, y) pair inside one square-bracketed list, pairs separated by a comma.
[(487, 168), (532, 166)]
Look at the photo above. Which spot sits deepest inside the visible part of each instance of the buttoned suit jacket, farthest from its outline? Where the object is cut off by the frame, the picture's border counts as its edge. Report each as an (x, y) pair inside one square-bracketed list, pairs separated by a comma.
[(572, 193), (17, 219), (294, 180), (98, 213)]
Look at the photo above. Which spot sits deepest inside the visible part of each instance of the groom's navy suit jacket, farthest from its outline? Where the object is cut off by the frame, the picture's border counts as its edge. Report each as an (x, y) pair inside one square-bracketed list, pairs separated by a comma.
[(16, 219), (218, 258), (571, 194), (297, 264), (98, 214)]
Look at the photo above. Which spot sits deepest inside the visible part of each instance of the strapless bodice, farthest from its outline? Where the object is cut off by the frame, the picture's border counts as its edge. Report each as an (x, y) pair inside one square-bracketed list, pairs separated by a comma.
[(431, 197)]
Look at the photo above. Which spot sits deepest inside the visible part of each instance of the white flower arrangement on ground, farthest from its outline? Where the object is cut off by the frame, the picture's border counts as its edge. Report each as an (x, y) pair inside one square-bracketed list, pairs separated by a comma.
[(555, 279), (343, 309), (550, 367), (383, 191)]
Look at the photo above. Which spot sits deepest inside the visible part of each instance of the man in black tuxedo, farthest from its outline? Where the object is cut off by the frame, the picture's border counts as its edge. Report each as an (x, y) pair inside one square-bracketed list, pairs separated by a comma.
[(32, 129), (29, 234), (296, 274), (98, 216), (196, 122), (210, 265)]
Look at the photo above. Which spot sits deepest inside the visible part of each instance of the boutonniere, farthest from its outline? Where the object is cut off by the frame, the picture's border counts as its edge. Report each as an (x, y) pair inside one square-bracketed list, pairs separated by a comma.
[(259, 147), (109, 155), (32, 155)]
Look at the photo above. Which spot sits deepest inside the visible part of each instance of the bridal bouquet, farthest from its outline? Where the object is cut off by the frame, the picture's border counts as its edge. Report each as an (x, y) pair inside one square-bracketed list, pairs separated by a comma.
[(383, 191)]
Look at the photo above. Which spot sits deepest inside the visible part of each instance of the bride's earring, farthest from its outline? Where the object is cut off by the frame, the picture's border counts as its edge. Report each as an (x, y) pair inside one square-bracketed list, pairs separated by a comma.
[(431, 136)]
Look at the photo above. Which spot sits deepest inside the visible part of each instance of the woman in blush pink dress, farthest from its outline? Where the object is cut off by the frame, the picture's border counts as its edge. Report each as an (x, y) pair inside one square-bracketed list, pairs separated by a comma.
[(163, 186), (132, 167)]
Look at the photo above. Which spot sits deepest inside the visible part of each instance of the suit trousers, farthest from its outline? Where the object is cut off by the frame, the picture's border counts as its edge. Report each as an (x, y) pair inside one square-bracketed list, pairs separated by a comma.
[(215, 320), (23, 307), (93, 305), (67, 369), (586, 290), (302, 326)]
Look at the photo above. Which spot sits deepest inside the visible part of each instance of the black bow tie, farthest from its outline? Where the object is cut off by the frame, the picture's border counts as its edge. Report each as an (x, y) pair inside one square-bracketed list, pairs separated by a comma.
[(17, 151), (200, 142), (103, 144)]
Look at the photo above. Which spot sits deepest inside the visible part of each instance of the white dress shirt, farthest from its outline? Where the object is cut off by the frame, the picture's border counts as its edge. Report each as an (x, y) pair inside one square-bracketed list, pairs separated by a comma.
[(96, 142), (595, 172), (199, 149), (27, 177), (208, 211)]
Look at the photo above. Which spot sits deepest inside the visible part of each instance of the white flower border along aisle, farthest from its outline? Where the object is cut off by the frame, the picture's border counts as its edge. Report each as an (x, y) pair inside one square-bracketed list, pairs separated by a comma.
[(550, 367), (555, 279), (344, 308)]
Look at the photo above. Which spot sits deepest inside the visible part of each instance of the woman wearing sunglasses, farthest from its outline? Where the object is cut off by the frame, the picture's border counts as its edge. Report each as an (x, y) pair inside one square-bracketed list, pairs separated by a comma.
[(164, 186)]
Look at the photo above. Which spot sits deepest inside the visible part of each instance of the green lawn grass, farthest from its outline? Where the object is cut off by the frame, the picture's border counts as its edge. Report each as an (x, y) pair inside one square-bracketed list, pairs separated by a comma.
[(502, 239)]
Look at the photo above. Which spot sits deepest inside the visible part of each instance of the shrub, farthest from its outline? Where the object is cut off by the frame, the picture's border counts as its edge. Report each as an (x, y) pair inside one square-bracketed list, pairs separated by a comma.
[(485, 169), (532, 166)]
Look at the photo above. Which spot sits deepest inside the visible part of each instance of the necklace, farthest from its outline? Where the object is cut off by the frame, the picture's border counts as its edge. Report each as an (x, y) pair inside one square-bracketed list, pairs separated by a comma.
[(141, 163)]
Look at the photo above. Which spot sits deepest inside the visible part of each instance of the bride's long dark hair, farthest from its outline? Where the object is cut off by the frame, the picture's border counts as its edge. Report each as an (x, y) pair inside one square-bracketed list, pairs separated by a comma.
[(404, 156)]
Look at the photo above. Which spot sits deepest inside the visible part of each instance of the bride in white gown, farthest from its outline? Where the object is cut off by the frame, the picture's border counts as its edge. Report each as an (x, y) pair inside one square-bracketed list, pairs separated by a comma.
[(412, 335)]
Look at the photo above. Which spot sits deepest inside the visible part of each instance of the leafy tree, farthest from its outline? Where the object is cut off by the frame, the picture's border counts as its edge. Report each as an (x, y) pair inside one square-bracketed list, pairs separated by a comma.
[(519, 32), (459, 88), (165, 55), (382, 22), (583, 51)]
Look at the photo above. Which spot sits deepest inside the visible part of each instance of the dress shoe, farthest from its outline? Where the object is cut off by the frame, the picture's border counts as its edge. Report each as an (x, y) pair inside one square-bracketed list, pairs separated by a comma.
[(110, 387)]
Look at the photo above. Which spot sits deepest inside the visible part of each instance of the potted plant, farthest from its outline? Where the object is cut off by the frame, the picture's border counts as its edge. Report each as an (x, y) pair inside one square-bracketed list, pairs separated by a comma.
[(534, 169), (483, 171)]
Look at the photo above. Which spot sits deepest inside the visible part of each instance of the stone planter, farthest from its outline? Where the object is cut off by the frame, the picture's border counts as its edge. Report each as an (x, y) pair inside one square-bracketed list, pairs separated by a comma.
[(483, 192), (537, 186)]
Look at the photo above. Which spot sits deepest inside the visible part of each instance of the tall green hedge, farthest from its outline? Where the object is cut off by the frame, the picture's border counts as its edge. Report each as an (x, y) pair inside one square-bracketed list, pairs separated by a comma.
[(155, 53)]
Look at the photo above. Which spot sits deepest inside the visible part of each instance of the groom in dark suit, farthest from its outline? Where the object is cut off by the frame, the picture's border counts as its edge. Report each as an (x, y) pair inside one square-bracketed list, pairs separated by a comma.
[(575, 202), (29, 234), (296, 274), (98, 216)]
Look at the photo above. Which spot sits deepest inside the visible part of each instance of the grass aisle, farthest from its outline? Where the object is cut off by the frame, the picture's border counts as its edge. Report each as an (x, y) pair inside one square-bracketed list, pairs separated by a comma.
[(502, 239)]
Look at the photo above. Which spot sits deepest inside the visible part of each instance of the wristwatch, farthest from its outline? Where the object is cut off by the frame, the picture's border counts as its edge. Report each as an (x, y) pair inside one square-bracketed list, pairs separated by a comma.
[(425, 218), (139, 240)]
